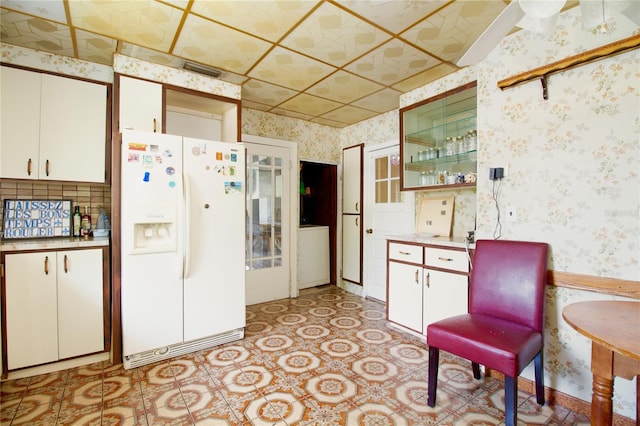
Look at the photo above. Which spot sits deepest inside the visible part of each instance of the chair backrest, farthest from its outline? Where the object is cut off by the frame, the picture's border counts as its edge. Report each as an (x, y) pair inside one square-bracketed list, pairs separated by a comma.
[(508, 281)]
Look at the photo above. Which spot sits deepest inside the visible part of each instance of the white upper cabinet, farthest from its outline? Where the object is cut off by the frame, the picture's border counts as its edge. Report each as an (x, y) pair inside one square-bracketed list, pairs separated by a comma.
[(352, 180), (72, 130), (53, 128), (140, 105), (19, 123)]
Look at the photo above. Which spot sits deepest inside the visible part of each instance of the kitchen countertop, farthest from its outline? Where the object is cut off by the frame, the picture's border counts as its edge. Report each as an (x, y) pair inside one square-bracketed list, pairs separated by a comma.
[(52, 243), (458, 242)]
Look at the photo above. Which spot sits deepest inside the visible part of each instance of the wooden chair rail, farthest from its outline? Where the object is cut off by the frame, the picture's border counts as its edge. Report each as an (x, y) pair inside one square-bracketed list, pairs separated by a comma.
[(604, 285)]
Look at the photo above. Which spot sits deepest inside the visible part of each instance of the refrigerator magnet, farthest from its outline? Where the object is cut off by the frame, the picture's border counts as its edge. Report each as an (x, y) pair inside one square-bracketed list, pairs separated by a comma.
[(167, 153), (195, 150), (133, 157), (136, 146), (219, 156), (234, 157), (146, 177), (170, 171), (172, 184), (232, 187), (147, 161), (232, 170)]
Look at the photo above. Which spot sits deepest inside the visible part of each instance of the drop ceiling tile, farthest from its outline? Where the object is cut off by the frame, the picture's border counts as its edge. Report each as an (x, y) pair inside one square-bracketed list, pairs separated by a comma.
[(392, 62), (265, 93), (182, 4), (344, 87), (95, 48), (310, 105), (349, 114), (46, 9), (334, 36), (448, 33), (149, 24), (396, 15), (425, 77), (292, 114), (35, 33), (290, 69), (382, 101), (269, 20), (219, 46)]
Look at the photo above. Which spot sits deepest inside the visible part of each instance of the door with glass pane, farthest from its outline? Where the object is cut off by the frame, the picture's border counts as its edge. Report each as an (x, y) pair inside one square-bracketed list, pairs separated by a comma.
[(267, 223), (387, 211)]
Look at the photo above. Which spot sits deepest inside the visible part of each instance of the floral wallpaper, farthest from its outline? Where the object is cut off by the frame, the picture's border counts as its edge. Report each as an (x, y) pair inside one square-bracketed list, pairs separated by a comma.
[(315, 141), (60, 64), (573, 165), (150, 71)]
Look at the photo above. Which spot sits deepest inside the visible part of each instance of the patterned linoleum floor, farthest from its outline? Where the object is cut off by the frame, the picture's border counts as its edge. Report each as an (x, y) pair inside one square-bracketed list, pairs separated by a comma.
[(326, 358)]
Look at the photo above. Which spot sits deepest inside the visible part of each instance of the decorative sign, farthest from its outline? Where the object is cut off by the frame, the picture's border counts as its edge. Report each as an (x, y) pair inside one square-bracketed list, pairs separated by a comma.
[(37, 218)]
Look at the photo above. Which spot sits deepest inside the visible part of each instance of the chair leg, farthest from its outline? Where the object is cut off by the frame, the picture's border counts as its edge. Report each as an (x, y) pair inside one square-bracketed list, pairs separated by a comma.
[(510, 398), (434, 358), (476, 370), (539, 373)]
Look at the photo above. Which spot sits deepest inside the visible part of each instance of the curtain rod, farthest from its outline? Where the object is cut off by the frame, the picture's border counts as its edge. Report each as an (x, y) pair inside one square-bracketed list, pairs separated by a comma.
[(542, 72)]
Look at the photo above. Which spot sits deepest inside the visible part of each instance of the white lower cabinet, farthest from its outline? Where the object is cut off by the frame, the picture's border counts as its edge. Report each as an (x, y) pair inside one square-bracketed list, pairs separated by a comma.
[(54, 306), (351, 247), (405, 295), (445, 295), (425, 289)]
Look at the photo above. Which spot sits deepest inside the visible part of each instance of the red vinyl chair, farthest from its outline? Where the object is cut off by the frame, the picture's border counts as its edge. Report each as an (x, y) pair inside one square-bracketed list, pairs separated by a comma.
[(504, 327)]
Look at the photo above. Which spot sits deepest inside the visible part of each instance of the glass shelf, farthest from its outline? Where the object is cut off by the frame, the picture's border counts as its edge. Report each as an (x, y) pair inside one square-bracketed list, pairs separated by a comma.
[(438, 137)]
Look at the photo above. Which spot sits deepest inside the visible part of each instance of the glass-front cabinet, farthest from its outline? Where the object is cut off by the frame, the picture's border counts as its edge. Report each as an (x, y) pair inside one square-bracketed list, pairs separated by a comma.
[(439, 141)]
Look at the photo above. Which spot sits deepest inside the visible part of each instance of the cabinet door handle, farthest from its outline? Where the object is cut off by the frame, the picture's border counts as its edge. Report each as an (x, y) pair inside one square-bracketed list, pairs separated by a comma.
[(445, 259), (357, 221), (29, 167), (406, 253), (427, 281), (155, 122), (46, 167), (66, 264), (417, 275), (46, 265), (369, 231), (357, 203)]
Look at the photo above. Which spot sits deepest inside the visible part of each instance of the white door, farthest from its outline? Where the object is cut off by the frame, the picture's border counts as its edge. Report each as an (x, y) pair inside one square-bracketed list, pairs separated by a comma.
[(387, 211), (214, 245), (351, 179), (19, 123), (268, 219), (140, 105), (31, 307), (73, 117), (80, 308), (351, 249)]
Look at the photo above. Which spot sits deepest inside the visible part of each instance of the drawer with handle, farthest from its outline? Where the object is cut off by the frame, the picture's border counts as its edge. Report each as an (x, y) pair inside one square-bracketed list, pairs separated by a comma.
[(455, 260), (405, 252)]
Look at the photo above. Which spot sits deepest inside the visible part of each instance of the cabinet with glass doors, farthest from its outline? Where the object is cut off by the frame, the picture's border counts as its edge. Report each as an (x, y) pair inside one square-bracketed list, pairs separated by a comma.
[(439, 141)]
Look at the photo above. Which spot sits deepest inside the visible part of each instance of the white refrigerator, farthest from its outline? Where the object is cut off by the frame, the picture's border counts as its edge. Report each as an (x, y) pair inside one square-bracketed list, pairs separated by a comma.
[(182, 245)]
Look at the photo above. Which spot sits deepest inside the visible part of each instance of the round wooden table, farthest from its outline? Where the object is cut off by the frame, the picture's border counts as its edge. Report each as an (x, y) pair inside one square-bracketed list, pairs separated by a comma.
[(614, 328)]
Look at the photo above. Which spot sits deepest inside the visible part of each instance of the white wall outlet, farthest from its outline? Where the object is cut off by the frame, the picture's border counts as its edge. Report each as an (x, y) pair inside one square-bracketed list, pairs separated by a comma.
[(511, 214)]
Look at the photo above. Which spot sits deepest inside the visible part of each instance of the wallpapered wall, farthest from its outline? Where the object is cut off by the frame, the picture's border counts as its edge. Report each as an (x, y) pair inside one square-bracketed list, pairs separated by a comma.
[(573, 164)]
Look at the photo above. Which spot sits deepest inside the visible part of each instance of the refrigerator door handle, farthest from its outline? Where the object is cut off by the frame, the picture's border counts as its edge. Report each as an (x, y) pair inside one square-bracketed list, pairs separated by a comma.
[(187, 233)]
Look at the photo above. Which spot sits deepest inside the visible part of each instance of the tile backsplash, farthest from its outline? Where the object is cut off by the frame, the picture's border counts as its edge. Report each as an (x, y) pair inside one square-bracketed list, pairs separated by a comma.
[(95, 196)]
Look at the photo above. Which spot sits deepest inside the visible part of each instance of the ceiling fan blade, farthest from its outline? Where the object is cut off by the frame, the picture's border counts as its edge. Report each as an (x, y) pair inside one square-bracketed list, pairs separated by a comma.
[(490, 38)]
